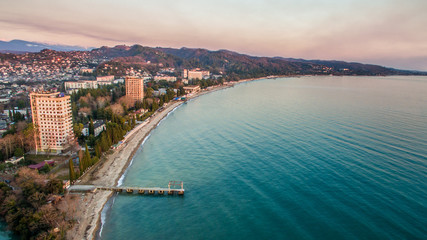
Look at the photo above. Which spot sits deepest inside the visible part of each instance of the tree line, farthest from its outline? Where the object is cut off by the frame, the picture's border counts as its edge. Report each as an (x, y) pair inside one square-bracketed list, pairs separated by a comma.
[(31, 212)]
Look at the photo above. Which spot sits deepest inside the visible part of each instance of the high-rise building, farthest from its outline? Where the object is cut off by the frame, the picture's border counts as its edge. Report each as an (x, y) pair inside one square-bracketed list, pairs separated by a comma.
[(52, 121), (135, 88)]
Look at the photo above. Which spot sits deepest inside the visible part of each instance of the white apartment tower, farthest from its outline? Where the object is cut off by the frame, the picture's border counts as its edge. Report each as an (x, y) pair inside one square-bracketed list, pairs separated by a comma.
[(52, 121)]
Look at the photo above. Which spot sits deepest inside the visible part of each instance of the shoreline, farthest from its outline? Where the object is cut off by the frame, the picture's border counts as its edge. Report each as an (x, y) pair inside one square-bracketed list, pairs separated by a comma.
[(106, 172)]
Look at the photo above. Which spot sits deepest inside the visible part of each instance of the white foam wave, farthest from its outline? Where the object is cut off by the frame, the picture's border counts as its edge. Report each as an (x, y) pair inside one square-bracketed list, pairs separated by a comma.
[(104, 212), (122, 178), (167, 115)]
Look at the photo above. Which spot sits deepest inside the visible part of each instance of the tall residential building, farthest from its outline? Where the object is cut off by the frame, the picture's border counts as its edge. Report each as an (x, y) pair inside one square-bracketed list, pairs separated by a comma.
[(135, 88), (52, 121)]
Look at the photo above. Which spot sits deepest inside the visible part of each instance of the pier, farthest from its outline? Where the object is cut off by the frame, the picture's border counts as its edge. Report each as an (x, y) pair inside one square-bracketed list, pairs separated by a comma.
[(174, 188)]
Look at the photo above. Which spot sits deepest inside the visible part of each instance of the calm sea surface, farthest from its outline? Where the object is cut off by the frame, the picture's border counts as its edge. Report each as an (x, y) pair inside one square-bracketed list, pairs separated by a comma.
[(290, 158)]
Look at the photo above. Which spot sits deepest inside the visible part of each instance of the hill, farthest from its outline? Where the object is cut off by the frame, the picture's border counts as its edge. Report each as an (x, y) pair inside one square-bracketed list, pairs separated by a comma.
[(235, 65)]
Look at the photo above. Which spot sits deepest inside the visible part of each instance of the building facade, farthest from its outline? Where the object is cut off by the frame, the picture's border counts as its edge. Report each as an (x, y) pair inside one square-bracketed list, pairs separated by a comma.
[(192, 89), (135, 88), (195, 74), (164, 77), (103, 83), (80, 85), (109, 78), (98, 127), (52, 121)]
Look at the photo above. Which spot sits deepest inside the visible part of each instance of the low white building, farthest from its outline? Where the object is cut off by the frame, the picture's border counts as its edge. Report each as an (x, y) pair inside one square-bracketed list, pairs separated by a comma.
[(103, 83), (82, 84), (120, 80), (99, 126), (192, 89), (109, 78), (87, 70), (164, 77)]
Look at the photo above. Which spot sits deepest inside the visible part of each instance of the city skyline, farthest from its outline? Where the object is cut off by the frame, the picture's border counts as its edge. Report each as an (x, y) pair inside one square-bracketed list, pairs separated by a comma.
[(387, 32)]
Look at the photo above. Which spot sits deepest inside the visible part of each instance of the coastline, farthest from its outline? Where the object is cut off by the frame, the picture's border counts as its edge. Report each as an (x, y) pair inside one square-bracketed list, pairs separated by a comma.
[(107, 172)]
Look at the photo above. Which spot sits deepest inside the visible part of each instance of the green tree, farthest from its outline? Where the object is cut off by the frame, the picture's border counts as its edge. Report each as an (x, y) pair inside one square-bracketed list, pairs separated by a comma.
[(181, 91), (19, 152), (98, 149), (154, 106), (78, 129), (91, 127), (75, 110), (18, 117), (95, 160), (170, 93), (71, 170), (54, 186), (145, 104), (81, 164), (149, 92), (91, 140), (21, 104), (45, 169), (133, 121), (103, 143), (87, 158)]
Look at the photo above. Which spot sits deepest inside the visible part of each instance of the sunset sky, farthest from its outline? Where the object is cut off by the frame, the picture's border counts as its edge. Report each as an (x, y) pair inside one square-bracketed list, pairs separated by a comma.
[(385, 32)]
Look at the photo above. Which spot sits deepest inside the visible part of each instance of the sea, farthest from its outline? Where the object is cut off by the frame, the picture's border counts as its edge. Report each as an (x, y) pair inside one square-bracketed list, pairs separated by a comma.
[(316, 157)]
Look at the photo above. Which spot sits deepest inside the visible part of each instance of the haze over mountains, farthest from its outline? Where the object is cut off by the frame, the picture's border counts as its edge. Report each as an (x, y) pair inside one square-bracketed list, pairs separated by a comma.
[(17, 46), (233, 64)]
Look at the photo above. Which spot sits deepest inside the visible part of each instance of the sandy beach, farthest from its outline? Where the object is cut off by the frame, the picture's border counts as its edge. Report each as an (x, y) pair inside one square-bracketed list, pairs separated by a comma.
[(86, 208)]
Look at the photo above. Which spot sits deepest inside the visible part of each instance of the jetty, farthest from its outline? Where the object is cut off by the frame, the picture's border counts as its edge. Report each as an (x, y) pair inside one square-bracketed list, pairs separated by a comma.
[(174, 188)]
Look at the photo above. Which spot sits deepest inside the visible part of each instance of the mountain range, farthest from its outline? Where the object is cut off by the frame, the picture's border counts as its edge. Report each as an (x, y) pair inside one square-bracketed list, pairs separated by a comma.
[(232, 64), (236, 65)]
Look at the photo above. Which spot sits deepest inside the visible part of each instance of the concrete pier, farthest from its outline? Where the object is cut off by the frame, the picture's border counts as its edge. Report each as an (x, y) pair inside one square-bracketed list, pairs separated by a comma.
[(171, 190)]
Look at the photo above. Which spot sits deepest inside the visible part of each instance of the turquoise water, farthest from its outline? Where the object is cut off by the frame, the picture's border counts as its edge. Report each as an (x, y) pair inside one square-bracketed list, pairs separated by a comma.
[(291, 158), (4, 233)]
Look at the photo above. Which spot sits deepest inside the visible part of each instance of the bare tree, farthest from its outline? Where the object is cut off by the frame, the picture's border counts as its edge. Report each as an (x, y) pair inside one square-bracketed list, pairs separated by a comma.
[(71, 144), (9, 144)]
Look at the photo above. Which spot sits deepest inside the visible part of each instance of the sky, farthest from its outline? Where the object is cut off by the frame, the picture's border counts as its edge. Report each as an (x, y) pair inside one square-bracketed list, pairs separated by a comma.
[(390, 33)]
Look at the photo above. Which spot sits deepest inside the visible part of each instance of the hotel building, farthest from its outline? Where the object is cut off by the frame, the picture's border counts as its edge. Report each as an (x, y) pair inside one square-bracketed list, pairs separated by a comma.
[(195, 74), (52, 121), (135, 88)]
